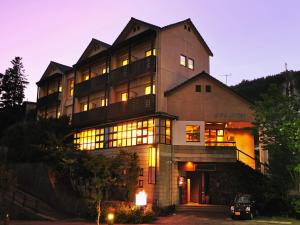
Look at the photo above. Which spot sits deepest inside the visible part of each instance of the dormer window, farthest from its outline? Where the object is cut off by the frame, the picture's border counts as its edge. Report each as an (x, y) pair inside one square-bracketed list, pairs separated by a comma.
[(190, 63)]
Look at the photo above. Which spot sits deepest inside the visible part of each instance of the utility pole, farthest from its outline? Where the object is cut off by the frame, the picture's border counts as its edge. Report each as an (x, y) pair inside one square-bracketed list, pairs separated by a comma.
[(226, 75)]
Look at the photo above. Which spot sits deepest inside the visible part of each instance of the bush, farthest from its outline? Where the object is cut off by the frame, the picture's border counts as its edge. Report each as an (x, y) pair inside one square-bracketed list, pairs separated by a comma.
[(296, 207), (164, 211)]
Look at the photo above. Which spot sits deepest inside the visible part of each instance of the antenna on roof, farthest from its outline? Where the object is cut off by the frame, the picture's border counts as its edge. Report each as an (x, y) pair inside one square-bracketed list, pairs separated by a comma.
[(285, 65), (226, 75)]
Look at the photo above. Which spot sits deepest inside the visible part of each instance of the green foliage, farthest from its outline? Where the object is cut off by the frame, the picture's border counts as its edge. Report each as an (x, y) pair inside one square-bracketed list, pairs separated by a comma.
[(296, 206), (253, 89), (278, 119), (34, 141), (13, 84)]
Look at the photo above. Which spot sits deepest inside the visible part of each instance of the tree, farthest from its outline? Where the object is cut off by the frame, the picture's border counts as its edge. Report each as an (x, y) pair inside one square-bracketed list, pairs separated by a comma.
[(278, 119), (13, 84)]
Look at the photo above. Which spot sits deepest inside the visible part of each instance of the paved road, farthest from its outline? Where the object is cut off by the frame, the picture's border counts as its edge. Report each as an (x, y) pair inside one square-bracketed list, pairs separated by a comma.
[(205, 217)]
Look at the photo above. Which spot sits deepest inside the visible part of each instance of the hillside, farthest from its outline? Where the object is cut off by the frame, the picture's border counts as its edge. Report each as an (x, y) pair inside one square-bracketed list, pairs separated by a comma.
[(254, 88)]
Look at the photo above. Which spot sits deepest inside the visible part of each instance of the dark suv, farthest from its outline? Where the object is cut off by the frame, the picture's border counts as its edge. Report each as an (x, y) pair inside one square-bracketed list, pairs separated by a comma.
[(243, 206)]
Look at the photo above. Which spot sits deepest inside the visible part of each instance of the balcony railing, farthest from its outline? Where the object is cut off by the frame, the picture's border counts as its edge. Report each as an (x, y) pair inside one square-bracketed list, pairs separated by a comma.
[(97, 115), (134, 107), (90, 86), (49, 100), (139, 106), (133, 70)]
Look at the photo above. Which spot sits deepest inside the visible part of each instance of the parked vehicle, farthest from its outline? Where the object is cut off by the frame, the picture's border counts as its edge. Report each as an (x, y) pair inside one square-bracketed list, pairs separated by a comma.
[(243, 206)]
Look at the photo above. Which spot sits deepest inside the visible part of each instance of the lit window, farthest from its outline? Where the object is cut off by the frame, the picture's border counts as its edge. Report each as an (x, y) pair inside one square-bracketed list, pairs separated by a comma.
[(60, 88), (84, 107), (192, 133), (71, 87), (58, 114), (148, 90), (86, 77), (149, 53), (208, 88), (190, 63), (105, 70), (220, 133), (104, 102), (125, 62), (182, 60), (89, 139), (124, 97)]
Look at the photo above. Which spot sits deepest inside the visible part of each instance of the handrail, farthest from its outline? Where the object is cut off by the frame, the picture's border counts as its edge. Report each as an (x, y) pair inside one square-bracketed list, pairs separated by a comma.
[(265, 166), (220, 143)]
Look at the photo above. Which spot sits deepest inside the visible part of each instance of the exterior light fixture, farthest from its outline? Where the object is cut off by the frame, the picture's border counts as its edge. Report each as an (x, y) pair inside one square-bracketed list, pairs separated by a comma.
[(110, 218), (141, 198)]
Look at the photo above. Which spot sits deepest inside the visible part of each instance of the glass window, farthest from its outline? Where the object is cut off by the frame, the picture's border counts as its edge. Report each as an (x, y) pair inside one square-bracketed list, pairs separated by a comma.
[(198, 88), (124, 97), (148, 53), (71, 88), (125, 62), (104, 102), (148, 90), (182, 60), (60, 88), (192, 133), (190, 63), (208, 88), (84, 107)]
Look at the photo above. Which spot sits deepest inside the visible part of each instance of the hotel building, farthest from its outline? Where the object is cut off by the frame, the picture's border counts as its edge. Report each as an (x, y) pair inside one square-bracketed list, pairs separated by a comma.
[(150, 92)]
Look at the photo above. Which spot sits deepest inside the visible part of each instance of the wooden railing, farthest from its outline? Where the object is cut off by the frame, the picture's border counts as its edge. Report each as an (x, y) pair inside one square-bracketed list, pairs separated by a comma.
[(220, 143), (49, 100), (133, 70), (134, 107), (90, 86)]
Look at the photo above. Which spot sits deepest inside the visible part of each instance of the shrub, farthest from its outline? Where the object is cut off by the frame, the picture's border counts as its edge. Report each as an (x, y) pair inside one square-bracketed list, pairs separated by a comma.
[(296, 207)]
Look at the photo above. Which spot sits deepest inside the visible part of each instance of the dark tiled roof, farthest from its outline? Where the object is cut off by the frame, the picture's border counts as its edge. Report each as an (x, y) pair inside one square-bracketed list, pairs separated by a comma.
[(206, 75), (59, 66)]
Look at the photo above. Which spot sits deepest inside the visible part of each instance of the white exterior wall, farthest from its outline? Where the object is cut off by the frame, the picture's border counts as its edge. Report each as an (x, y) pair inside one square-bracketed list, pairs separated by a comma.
[(179, 136)]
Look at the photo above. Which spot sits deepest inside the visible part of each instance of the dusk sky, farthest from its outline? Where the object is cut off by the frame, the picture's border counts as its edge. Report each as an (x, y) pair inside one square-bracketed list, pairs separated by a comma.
[(249, 38)]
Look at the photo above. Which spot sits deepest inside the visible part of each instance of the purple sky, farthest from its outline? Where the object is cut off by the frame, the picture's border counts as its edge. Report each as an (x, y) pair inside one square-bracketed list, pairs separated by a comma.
[(249, 38)]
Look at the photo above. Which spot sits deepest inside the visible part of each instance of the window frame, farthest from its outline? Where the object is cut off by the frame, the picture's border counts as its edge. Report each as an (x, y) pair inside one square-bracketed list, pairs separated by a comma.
[(208, 88), (188, 63), (185, 60), (192, 134), (198, 88)]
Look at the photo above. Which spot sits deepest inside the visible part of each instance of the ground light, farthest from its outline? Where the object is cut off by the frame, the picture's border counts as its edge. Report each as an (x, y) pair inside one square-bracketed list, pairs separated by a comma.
[(110, 218)]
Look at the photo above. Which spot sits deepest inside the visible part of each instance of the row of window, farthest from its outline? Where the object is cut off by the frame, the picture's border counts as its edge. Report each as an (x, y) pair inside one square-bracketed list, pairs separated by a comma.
[(199, 89), (103, 69), (187, 62), (211, 135), (104, 101), (132, 133)]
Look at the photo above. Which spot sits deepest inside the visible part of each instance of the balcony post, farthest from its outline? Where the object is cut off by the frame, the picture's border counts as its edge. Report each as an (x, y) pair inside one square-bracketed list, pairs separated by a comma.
[(128, 71), (107, 87), (73, 105), (152, 74)]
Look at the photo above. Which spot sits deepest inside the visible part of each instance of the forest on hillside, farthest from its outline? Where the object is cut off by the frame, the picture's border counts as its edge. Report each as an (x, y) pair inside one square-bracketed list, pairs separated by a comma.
[(252, 89)]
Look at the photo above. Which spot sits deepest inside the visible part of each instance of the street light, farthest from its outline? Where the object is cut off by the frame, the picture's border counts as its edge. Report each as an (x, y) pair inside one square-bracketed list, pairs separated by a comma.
[(141, 198)]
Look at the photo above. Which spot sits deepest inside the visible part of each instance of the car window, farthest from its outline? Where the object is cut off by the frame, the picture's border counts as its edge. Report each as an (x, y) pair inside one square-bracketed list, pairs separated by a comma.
[(243, 199)]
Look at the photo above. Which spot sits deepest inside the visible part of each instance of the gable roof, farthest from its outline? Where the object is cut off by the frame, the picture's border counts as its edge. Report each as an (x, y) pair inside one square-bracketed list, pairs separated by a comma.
[(54, 65), (94, 43), (128, 27), (206, 75), (198, 35)]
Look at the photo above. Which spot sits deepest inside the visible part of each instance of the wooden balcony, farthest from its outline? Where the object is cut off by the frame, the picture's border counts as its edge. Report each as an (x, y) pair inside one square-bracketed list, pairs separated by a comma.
[(135, 107), (49, 100), (185, 153), (133, 70), (91, 117), (90, 86)]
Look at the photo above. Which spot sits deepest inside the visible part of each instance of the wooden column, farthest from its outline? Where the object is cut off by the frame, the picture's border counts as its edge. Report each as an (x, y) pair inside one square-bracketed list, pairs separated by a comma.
[(152, 74), (73, 106), (128, 71)]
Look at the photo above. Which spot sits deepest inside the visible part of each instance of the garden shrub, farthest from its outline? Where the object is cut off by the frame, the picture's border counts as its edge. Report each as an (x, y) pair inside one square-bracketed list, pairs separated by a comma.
[(296, 207)]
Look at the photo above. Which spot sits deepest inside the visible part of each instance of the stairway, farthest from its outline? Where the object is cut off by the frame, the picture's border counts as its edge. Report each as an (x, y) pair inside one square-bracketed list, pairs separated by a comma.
[(33, 206)]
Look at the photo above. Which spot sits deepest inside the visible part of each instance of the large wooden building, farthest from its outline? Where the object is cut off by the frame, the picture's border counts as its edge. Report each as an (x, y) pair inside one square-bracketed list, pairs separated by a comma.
[(150, 92)]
